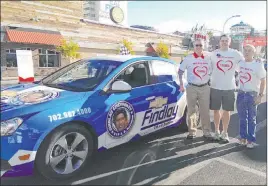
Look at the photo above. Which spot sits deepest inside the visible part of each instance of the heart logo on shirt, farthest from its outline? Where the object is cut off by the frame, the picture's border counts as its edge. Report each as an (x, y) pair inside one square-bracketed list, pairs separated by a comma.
[(224, 65), (244, 77), (200, 71)]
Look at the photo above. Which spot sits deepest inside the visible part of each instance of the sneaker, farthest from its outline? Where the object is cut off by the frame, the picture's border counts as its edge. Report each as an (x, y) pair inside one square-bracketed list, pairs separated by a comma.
[(217, 136), (208, 136), (250, 145), (225, 137), (243, 142), (190, 136)]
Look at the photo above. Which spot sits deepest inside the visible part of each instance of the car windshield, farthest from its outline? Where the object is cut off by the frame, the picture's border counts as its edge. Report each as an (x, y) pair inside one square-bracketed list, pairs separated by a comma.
[(83, 75)]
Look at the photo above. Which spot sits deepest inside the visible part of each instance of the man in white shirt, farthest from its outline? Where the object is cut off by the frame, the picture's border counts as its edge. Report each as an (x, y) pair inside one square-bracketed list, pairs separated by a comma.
[(222, 94), (252, 80), (198, 70)]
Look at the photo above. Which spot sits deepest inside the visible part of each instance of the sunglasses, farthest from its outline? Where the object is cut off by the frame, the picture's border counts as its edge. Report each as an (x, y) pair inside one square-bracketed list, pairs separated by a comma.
[(198, 45)]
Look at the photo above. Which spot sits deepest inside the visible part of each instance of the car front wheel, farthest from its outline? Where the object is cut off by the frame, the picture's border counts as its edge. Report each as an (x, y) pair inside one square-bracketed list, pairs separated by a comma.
[(65, 152)]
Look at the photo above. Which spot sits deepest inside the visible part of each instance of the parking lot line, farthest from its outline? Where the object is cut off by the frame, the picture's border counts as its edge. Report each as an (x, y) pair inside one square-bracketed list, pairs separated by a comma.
[(241, 167)]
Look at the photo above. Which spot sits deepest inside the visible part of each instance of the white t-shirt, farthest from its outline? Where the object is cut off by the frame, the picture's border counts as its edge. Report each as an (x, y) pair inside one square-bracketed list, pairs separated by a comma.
[(250, 74), (198, 68), (224, 65)]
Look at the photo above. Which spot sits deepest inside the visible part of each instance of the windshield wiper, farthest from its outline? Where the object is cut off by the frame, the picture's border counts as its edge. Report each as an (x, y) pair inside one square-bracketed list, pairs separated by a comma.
[(65, 87)]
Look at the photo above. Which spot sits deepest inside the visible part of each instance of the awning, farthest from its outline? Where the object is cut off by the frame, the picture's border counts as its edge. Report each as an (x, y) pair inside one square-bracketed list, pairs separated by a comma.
[(34, 37)]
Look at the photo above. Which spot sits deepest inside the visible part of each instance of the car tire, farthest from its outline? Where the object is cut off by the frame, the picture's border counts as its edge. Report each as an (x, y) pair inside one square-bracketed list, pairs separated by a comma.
[(43, 162), (183, 127)]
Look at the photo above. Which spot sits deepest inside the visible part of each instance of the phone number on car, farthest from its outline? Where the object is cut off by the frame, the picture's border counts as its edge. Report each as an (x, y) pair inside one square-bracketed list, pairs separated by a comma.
[(69, 114)]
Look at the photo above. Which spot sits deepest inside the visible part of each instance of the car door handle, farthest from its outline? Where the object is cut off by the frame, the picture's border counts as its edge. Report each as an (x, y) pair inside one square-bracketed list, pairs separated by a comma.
[(154, 88), (150, 98)]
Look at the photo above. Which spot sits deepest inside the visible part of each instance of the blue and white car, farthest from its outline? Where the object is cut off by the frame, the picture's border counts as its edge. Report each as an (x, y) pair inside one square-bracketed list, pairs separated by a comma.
[(54, 126)]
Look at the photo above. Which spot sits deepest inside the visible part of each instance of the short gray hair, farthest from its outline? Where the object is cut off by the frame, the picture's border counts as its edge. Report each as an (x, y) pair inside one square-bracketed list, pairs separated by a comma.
[(250, 46), (225, 35)]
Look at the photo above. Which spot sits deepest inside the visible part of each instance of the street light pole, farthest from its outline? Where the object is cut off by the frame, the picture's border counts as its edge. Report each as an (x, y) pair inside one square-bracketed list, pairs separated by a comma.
[(228, 20)]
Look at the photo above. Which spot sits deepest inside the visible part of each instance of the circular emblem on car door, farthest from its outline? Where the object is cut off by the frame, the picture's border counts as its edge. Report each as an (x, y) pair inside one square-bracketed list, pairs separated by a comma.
[(120, 119)]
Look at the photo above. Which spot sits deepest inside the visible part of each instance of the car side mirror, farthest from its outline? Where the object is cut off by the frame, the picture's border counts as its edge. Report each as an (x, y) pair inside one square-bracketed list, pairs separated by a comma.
[(120, 86)]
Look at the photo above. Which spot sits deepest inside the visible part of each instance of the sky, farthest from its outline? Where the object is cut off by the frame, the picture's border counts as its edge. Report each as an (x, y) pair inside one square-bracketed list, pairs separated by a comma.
[(169, 16)]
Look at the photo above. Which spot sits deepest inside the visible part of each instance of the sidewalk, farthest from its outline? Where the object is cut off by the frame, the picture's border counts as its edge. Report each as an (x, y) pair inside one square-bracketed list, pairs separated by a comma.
[(14, 80)]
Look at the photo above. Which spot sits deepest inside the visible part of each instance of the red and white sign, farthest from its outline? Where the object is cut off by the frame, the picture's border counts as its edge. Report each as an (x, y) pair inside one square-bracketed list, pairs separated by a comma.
[(25, 66), (200, 36), (256, 41)]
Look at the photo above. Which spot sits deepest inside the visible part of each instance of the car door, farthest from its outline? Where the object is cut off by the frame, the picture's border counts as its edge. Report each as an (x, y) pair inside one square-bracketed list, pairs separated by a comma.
[(125, 110), (165, 75)]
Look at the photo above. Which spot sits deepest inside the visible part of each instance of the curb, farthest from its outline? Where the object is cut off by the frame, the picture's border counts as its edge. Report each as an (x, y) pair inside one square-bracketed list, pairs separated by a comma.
[(13, 81)]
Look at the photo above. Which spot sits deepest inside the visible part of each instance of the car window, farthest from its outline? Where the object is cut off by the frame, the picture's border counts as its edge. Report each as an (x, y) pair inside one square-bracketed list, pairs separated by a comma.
[(135, 75), (79, 72), (83, 75), (164, 71)]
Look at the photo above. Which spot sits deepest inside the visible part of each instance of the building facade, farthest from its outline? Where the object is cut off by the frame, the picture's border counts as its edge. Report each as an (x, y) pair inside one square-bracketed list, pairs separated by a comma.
[(46, 23), (101, 11), (241, 29), (243, 33), (21, 29)]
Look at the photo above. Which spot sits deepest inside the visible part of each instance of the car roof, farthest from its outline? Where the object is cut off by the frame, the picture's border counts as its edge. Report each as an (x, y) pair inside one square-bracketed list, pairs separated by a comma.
[(119, 58), (123, 58)]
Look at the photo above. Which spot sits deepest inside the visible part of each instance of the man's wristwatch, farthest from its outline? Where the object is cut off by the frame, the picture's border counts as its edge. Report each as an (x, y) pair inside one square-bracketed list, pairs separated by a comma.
[(261, 94)]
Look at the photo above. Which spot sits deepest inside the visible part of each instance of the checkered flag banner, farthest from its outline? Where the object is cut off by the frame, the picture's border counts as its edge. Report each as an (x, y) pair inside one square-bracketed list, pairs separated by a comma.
[(124, 51)]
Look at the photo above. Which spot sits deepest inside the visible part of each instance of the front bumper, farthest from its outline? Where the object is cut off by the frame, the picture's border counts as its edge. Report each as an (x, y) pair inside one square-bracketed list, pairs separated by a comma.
[(17, 156), (5, 166), (15, 167)]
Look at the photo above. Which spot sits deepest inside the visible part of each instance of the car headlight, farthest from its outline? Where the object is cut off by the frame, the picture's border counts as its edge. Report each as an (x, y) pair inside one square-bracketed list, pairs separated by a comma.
[(10, 126)]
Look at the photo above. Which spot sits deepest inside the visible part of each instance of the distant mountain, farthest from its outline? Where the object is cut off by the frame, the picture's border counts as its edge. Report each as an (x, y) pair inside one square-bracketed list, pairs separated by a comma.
[(179, 33)]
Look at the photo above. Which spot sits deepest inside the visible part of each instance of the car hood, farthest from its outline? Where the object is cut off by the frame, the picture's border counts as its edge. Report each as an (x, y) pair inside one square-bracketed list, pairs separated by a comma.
[(30, 98)]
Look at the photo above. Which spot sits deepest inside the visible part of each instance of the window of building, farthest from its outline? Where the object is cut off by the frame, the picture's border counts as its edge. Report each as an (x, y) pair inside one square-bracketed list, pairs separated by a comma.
[(89, 8), (11, 57), (25, 49), (89, 15), (49, 58)]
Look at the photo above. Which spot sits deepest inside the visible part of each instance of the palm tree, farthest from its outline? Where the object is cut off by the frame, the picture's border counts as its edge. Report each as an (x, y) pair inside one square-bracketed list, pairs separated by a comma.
[(210, 34)]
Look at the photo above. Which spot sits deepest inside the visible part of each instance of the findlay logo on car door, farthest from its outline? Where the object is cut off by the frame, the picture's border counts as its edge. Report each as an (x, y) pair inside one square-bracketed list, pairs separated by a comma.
[(160, 114)]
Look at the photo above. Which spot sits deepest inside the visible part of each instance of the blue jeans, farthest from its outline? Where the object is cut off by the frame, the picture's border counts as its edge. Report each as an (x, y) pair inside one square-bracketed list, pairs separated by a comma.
[(247, 112)]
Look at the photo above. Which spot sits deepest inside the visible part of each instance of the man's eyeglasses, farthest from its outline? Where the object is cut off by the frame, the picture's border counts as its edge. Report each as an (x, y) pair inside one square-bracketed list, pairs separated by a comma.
[(198, 45)]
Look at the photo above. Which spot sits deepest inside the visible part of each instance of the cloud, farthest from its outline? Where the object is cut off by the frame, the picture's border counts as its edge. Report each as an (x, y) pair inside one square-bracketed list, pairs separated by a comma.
[(215, 24), (173, 25), (184, 26), (259, 23)]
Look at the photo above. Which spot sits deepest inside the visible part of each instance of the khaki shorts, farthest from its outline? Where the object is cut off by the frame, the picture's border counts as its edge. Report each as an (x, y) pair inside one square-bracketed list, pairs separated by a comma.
[(222, 98)]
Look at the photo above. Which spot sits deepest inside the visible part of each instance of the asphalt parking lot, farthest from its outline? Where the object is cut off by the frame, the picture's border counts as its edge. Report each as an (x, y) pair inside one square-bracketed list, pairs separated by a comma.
[(166, 158)]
